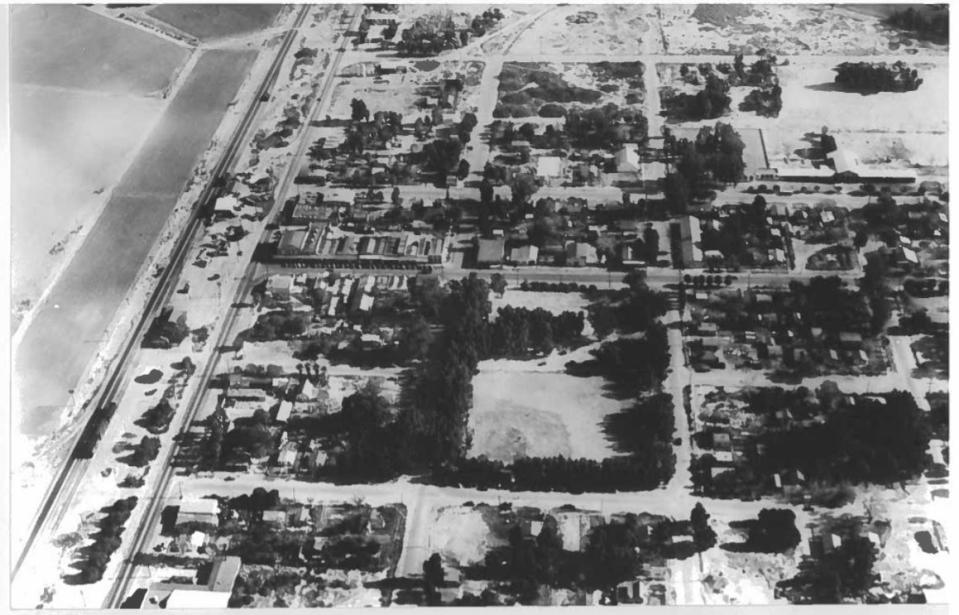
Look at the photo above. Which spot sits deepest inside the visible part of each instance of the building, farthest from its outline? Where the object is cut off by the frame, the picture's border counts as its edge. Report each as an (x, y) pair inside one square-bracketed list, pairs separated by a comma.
[(580, 254), (226, 206), (524, 255), (690, 238), (275, 517), (214, 595), (280, 287), (627, 159), (200, 510), (283, 411), (490, 251), (549, 167)]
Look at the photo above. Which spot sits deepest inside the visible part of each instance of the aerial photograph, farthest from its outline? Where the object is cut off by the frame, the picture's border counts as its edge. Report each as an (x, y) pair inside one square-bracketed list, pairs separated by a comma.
[(399, 305)]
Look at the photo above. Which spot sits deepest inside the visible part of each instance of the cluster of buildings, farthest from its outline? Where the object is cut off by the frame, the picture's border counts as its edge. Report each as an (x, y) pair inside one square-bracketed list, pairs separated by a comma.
[(325, 244)]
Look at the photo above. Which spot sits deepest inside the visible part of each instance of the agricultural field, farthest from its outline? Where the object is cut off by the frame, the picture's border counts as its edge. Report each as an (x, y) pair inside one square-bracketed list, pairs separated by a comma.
[(213, 21), (93, 52), (57, 129)]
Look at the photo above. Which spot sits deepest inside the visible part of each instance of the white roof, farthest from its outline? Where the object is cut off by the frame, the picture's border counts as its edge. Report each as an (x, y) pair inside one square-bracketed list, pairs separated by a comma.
[(200, 506), (284, 411), (628, 154), (197, 538), (197, 599), (549, 166), (845, 161), (280, 281), (366, 303), (226, 203), (910, 255)]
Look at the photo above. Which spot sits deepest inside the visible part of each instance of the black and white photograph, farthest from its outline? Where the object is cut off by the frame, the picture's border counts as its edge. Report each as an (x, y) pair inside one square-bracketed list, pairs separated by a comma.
[(464, 305)]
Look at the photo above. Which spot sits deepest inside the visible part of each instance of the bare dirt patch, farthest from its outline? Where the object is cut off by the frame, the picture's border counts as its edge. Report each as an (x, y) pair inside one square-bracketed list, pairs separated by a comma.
[(517, 414)]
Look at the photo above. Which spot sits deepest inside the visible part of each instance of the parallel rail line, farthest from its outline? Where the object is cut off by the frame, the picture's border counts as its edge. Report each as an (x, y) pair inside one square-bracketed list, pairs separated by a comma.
[(72, 469)]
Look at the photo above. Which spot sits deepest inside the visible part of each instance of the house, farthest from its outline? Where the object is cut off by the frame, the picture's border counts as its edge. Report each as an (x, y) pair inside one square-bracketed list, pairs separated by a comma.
[(274, 517), (226, 206), (549, 167), (579, 253), (199, 510), (280, 286), (627, 159), (524, 255), (490, 251), (690, 238), (197, 539), (197, 599), (288, 455), (283, 411), (850, 340), (214, 595)]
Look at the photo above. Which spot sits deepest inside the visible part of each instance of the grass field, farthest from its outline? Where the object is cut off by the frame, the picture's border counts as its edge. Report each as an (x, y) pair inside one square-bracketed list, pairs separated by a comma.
[(91, 52), (66, 331), (208, 21), (524, 414)]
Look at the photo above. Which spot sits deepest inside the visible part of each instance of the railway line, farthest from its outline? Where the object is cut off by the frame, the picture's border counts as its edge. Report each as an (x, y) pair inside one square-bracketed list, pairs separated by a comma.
[(120, 588), (67, 478)]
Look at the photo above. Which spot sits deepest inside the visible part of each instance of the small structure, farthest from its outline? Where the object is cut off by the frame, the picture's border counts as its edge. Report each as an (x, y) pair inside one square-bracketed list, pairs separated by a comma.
[(280, 286), (274, 517), (549, 167), (524, 255), (579, 253), (200, 510), (627, 159)]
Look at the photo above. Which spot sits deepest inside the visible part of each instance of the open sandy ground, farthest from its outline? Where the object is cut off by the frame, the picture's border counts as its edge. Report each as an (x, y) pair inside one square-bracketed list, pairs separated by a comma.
[(524, 414)]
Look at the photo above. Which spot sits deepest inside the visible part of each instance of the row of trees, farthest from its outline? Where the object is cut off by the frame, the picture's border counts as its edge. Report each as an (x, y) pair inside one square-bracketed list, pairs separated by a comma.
[(520, 332), (715, 156), (630, 365), (871, 77), (929, 22), (95, 557)]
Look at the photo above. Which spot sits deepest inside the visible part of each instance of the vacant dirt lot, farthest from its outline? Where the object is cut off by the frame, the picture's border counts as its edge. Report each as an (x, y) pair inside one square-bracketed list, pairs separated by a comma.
[(783, 29), (588, 29), (517, 414)]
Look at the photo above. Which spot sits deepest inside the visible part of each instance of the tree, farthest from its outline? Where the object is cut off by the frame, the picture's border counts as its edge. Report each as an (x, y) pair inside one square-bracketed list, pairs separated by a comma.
[(522, 188), (498, 283), (486, 191), (704, 537), (415, 339), (359, 112), (463, 171), (433, 578), (774, 531)]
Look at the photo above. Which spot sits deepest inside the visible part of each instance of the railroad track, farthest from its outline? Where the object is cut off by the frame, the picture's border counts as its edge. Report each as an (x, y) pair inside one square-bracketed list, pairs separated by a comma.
[(120, 587), (67, 478)]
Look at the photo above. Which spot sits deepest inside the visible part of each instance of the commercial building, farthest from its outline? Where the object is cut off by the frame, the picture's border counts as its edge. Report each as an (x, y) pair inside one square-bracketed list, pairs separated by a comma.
[(325, 245)]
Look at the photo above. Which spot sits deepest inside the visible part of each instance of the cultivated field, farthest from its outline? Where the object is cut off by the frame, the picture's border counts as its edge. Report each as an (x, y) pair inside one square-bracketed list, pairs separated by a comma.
[(517, 414), (55, 134), (65, 332), (209, 21), (92, 52)]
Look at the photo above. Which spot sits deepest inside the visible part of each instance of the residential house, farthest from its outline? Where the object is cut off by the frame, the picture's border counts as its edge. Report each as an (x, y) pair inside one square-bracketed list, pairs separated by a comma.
[(198, 510)]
